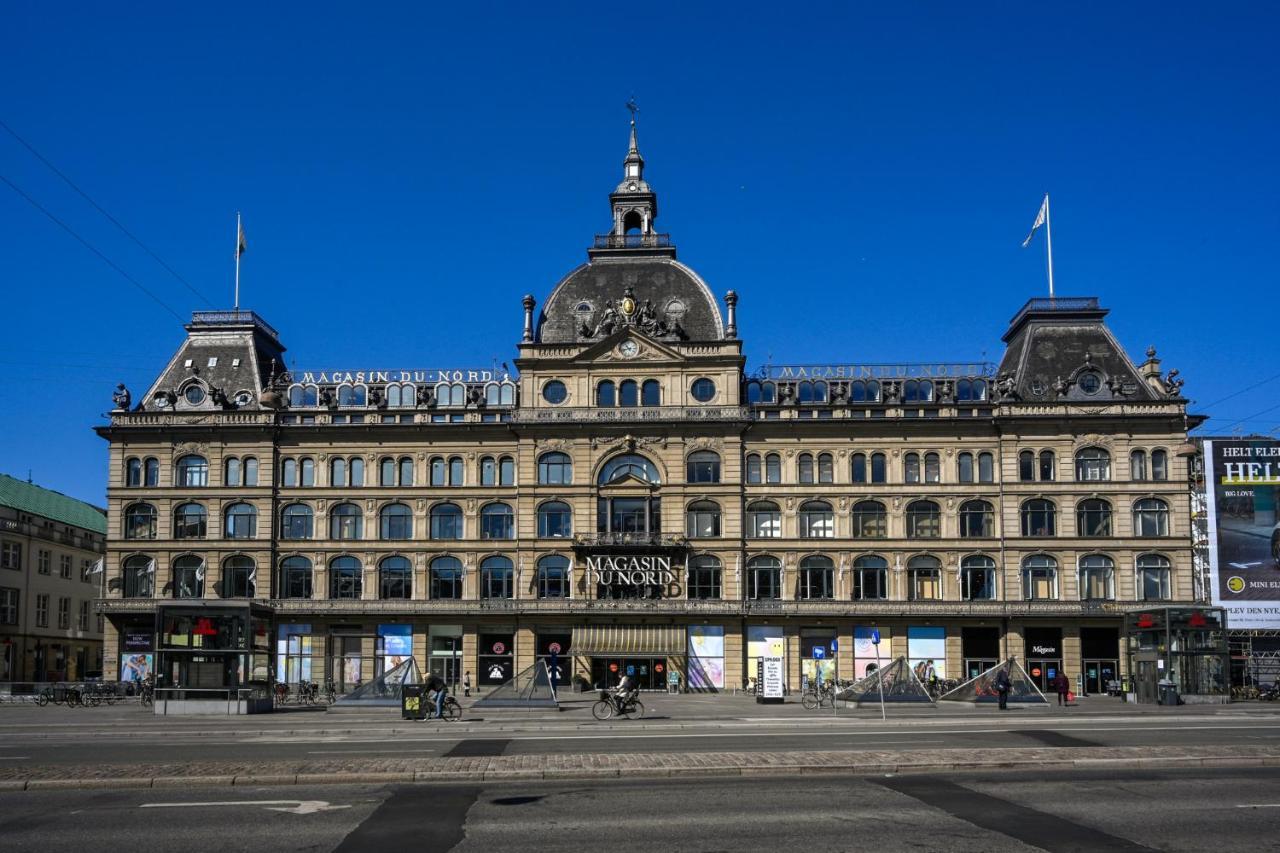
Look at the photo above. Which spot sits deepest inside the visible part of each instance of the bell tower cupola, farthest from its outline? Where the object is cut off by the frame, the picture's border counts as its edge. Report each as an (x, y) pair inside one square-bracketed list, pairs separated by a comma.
[(635, 207)]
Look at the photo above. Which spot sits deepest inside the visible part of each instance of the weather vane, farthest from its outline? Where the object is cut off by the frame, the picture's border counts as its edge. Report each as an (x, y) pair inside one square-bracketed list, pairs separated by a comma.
[(633, 106)]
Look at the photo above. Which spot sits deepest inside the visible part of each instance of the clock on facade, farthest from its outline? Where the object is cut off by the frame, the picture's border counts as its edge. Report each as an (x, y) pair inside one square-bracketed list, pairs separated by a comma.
[(628, 349)]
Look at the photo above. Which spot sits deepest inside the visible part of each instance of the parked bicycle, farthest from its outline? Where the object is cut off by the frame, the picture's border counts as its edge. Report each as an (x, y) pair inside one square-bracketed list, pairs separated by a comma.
[(818, 695), (608, 705)]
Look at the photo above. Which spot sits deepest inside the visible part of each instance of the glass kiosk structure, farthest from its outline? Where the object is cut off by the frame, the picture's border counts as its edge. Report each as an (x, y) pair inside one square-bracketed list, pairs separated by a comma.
[(1178, 654), (213, 658)]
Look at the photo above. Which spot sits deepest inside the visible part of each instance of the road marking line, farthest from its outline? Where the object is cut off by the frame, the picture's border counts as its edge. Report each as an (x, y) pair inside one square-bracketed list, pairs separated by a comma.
[(1259, 806), (295, 806), (592, 737), (14, 757)]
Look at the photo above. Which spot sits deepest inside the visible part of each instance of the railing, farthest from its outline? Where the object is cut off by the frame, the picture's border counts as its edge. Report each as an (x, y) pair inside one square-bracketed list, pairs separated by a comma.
[(642, 540), (1057, 303), (633, 241), (633, 415), (233, 318)]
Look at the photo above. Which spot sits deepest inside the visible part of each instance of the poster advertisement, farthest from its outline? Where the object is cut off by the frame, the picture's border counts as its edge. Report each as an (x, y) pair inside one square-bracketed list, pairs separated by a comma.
[(136, 667), (772, 679), (817, 658), (864, 651), (706, 657), (397, 645), (927, 651), (763, 641), (1242, 484)]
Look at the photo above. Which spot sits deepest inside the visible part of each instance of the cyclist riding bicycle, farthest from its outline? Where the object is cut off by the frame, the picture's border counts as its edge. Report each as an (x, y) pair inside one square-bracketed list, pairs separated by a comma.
[(436, 683), (625, 691)]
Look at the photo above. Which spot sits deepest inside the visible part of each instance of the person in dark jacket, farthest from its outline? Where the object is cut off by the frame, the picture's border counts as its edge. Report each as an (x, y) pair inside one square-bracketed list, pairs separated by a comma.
[(1003, 684), (1063, 685), (436, 683)]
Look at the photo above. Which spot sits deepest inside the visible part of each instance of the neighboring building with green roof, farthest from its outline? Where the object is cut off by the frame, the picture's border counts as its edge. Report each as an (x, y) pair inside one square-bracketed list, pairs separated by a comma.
[(50, 545)]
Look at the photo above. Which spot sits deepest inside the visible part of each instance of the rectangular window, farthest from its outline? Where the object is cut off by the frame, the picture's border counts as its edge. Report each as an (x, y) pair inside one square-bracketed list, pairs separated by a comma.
[(85, 567), (84, 616), (64, 613), (64, 566), (8, 606), (44, 559), (42, 611)]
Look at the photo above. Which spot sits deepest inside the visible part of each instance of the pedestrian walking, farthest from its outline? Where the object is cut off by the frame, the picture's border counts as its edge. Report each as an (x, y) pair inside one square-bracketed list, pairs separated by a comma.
[(466, 683), (1063, 685), (1002, 688)]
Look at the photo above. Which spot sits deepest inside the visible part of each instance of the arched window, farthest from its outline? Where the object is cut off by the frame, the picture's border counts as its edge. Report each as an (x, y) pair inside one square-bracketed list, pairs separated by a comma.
[(356, 468), (911, 468), (986, 468), (231, 473), (1048, 466), (1138, 465), (924, 578), (924, 520), (1027, 466), (193, 470), (387, 471), (393, 396), (395, 522), (288, 472), (555, 468), (870, 578), (553, 577), (650, 393), (704, 577), (497, 521), (628, 393), (188, 577), (555, 520), (506, 471), (139, 577), (977, 519), (446, 578), (240, 521), (764, 578), (978, 578), (804, 468), (457, 394), (804, 392), (628, 465), (764, 520), (488, 471), (497, 578), (1154, 581), (190, 521), (446, 521), (968, 390), (826, 468), (817, 577), (140, 522), (870, 521), (346, 522), (406, 471), (1159, 465), (858, 468), (307, 471), (879, 468), (439, 471), (352, 395), (239, 578), (1093, 517), (702, 520), (932, 468), (457, 471), (1040, 578), (755, 472), (964, 467), (773, 468), (1150, 517), (303, 396), (1093, 465), (817, 521), (1097, 578), (297, 522), (703, 466), (1039, 518), (346, 578), (337, 471), (917, 391), (133, 471), (295, 577), (606, 394), (395, 578)]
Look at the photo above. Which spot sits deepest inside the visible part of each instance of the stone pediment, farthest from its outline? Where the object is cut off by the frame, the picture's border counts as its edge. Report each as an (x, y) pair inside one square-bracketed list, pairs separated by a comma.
[(629, 483), (627, 345)]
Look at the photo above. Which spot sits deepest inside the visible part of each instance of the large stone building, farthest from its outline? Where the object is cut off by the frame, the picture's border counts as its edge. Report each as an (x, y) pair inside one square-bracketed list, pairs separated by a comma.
[(50, 547), (636, 500)]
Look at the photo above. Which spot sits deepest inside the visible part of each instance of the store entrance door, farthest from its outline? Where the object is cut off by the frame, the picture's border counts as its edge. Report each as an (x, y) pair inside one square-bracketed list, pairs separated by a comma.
[(1043, 671), (973, 667), (1097, 673), (648, 673)]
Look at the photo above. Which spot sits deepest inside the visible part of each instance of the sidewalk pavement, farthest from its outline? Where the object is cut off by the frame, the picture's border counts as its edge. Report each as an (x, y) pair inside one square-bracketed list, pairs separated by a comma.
[(626, 766)]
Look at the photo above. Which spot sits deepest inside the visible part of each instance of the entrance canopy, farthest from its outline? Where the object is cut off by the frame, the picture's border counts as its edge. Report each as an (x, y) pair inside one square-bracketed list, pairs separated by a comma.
[(629, 640), (1022, 688)]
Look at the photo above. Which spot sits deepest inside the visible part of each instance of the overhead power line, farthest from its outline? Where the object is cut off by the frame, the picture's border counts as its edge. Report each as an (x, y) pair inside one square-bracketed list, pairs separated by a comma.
[(100, 209), (1201, 410), (65, 227)]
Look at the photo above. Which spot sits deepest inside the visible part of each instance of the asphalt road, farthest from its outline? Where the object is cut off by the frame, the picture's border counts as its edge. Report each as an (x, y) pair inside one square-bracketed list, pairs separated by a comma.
[(1184, 810), (67, 737)]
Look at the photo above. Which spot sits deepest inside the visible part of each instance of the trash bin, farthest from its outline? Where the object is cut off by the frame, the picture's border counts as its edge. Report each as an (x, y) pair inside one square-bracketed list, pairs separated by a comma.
[(1168, 694), (413, 705)]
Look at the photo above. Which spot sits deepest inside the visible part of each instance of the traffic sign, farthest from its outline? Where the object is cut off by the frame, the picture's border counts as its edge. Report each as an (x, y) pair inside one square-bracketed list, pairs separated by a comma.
[(875, 636), (834, 647), (819, 652)]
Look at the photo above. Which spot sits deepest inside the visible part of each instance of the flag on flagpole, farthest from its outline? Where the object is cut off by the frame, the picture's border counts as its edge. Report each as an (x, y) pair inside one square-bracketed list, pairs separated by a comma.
[(241, 244), (1040, 220), (97, 567)]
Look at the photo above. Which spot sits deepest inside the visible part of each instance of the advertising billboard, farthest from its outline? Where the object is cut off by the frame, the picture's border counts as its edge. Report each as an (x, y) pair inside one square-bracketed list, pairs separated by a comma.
[(1242, 488)]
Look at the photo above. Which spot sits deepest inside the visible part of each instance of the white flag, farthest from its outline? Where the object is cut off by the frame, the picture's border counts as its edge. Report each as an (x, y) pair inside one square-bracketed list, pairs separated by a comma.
[(1040, 217), (96, 568)]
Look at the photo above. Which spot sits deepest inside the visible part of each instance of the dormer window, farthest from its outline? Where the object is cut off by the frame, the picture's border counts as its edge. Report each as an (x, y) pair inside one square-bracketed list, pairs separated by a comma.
[(194, 395), (213, 361), (1090, 383), (188, 363)]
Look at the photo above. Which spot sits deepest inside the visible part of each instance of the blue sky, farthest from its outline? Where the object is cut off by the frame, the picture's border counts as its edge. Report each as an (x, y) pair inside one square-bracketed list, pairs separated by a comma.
[(861, 175)]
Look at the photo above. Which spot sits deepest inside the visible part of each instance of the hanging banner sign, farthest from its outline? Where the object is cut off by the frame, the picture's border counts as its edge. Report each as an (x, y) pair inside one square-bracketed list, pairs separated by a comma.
[(1242, 494)]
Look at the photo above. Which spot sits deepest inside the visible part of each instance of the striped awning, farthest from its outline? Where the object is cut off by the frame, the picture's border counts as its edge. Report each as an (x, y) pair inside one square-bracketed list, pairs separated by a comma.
[(629, 640)]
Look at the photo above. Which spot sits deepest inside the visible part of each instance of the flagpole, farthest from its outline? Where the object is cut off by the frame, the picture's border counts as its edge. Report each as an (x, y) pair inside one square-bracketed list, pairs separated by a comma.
[(238, 264), (1048, 240)]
